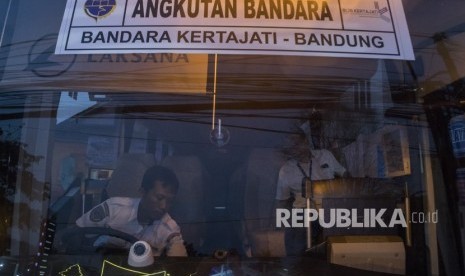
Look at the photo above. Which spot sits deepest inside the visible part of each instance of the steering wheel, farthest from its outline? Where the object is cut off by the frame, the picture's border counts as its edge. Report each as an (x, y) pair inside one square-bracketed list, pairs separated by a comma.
[(77, 240)]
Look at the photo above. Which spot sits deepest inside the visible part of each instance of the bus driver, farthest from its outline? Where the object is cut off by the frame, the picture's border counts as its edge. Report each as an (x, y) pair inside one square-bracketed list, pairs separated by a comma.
[(145, 218)]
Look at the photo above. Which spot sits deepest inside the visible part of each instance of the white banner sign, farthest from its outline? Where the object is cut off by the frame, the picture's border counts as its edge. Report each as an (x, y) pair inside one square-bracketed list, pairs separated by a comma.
[(342, 28)]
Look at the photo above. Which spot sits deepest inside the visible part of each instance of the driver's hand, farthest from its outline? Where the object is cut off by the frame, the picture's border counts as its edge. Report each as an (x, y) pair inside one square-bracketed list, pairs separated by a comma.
[(111, 242), (175, 247)]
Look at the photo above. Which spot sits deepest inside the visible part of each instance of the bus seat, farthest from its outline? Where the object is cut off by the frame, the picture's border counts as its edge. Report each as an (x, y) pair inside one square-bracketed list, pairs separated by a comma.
[(260, 204), (188, 208), (127, 177)]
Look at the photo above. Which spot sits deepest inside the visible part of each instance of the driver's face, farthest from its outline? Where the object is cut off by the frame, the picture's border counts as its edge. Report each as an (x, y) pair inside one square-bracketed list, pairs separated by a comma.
[(155, 202)]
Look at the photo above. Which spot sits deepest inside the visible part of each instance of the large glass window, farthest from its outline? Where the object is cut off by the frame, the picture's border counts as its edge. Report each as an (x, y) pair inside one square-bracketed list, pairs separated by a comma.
[(281, 165)]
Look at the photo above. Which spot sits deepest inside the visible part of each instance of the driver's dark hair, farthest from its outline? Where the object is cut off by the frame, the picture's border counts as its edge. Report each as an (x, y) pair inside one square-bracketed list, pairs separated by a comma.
[(158, 173)]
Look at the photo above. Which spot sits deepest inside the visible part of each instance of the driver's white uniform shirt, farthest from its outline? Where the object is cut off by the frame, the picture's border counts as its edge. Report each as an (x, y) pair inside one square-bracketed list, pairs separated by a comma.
[(120, 213)]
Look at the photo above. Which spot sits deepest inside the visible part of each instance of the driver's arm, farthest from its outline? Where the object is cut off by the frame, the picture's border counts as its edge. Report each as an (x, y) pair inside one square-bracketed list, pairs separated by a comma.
[(96, 217)]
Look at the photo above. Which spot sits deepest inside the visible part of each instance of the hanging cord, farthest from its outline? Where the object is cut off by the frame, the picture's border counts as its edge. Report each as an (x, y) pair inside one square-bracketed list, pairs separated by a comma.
[(307, 193), (214, 91), (305, 189)]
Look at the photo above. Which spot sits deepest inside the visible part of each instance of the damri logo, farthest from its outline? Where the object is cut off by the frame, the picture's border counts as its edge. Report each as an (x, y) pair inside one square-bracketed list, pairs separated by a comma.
[(99, 9)]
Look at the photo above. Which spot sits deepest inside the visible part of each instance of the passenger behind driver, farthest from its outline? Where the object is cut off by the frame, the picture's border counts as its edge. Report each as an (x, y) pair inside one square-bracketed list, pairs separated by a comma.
[(145, 218), (319, 164)]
